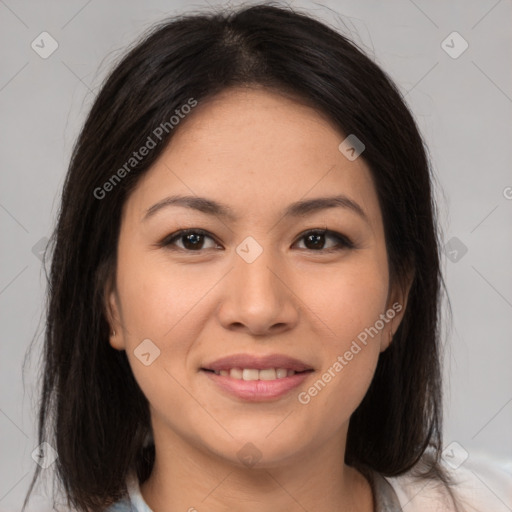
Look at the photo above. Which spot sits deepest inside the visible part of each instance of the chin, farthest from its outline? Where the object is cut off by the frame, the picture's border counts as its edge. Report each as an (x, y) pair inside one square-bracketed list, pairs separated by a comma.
[(263, 447)]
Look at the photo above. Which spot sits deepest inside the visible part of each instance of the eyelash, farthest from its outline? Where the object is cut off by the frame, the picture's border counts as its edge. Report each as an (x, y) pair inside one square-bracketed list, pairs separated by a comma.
[(343, 242)]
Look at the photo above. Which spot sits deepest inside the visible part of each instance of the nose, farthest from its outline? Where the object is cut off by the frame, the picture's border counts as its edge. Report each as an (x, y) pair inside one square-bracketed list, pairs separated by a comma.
[(258, 297)]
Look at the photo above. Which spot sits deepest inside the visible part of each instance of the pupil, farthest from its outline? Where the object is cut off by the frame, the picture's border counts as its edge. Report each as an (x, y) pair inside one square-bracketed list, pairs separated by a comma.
[(194, 239), (316, 238)]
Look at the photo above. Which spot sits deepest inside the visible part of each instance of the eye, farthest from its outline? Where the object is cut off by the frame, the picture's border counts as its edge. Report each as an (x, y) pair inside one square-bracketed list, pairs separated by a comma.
[(315, 240), (193, 240)]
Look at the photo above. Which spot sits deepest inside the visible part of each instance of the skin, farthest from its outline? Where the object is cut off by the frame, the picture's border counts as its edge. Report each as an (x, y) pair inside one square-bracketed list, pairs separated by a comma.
[(257, 152)]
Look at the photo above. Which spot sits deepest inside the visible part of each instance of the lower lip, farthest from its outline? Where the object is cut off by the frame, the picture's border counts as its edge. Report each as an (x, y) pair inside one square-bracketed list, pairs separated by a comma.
[(258, 390)]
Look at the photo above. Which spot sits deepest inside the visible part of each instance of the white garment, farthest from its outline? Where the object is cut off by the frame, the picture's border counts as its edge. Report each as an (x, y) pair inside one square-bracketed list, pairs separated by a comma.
[(484, 484)]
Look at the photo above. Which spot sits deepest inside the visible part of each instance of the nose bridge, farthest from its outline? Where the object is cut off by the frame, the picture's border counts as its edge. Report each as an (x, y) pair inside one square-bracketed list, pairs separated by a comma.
[(258, 286), (257, 297)]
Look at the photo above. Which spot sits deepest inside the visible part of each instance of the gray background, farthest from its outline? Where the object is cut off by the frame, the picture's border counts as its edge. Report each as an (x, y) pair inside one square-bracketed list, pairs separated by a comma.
[(463, 106)]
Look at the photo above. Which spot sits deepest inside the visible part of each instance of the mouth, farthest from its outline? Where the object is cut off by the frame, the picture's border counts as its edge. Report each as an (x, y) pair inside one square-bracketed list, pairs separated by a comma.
[(257, 379), (250, 374)]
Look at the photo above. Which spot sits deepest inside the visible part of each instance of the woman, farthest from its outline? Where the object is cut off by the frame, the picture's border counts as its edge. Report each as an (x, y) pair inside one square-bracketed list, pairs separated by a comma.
[(244, 293)]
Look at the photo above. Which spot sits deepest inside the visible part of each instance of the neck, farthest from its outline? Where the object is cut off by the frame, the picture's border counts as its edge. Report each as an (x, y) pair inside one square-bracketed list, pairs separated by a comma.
[(187, 478)]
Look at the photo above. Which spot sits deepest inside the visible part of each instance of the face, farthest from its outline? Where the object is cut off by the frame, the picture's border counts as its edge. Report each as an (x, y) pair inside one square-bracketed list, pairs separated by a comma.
[(260, 278)]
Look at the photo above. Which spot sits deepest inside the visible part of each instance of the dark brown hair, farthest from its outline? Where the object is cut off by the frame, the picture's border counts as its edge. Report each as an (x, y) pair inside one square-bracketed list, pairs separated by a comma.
[(92, 410)]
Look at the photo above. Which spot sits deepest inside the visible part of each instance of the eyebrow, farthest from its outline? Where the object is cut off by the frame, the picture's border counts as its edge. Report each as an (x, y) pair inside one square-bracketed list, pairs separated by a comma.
[(297, 209)]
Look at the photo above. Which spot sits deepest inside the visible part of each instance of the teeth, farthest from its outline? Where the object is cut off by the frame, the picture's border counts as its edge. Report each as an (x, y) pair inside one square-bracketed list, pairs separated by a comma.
[(250, 374), (267, 374), (282, 373), (236, 373), (254, 374)]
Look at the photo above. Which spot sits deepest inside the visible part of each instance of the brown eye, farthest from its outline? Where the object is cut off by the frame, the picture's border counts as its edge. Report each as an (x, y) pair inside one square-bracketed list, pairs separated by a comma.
[(191, 240), (316, 240)]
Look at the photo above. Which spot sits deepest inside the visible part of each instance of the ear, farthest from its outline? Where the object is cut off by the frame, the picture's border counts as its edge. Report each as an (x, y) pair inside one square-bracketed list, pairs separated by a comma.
[(395, 309), (112, 308)]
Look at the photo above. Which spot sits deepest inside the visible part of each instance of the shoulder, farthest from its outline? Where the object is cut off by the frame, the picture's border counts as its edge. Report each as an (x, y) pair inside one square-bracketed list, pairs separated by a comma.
[(123, 505), (133, 501), (482, 483)]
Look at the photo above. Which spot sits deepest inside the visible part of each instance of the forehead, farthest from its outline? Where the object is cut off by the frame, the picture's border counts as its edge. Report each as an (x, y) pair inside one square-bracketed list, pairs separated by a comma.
[(257, 151)]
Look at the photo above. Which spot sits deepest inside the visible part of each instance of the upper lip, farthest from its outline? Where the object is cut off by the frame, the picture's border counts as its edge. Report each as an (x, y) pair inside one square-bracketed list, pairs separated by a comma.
[(257, 362)]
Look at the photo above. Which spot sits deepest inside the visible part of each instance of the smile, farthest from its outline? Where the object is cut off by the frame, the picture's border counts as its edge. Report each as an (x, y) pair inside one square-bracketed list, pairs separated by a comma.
[(255, 374), (252, 385)]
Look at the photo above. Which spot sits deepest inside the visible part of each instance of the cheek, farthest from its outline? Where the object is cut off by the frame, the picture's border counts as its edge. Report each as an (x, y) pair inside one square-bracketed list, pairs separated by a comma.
[(157, 304), (167, 304), (346, 299), (347, 306), (158, 296)]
